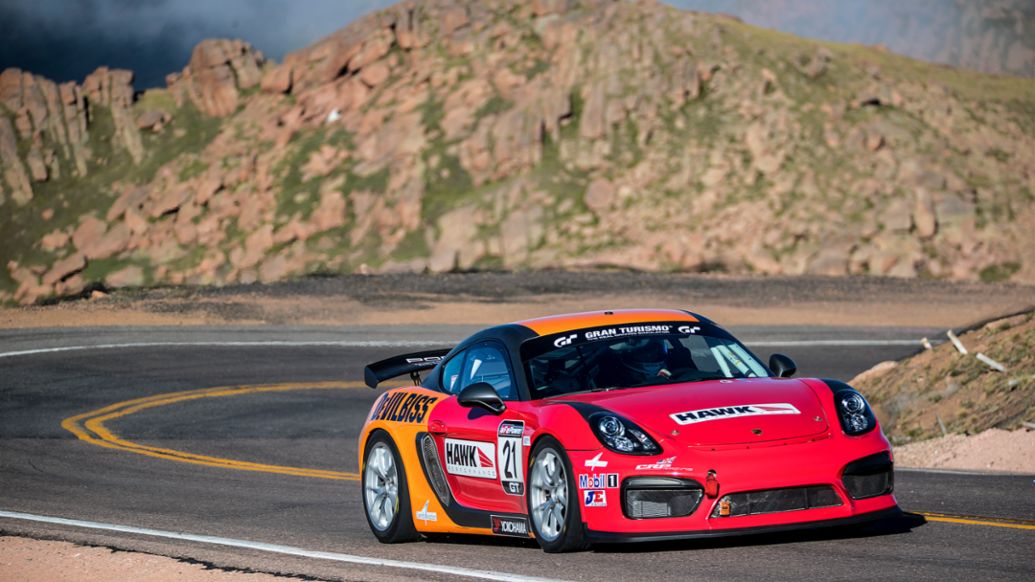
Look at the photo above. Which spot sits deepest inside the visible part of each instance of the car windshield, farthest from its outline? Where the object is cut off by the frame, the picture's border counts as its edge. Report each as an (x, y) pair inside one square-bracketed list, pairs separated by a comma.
[(633, 355)]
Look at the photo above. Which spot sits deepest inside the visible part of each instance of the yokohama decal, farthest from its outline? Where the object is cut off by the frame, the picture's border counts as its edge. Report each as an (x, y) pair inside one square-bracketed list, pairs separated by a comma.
[(509, 526), (706, 414), (471, 458)]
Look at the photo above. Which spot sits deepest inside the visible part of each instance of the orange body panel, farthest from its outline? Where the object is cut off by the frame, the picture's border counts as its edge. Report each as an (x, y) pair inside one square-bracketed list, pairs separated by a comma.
[(561, 323), (404, 435)]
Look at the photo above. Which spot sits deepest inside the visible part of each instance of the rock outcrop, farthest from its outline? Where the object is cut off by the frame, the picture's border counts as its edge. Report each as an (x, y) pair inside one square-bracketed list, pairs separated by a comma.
[(443, 135), (217, 73)]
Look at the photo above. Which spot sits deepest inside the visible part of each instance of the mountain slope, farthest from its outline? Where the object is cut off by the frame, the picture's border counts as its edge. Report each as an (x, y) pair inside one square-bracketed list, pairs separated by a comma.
[(458, 135)]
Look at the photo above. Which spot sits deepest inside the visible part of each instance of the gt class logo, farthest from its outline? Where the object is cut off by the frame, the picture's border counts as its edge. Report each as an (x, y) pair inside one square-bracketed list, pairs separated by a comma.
[(470, 458), (706, 414), (564, 340)]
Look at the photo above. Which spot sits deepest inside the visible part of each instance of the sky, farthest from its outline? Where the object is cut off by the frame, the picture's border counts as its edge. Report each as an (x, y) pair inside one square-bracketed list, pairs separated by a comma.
[(67, 39)]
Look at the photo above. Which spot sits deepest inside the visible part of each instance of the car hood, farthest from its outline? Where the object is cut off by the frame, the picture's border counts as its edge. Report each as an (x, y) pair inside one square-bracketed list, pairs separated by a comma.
[(718, 412)]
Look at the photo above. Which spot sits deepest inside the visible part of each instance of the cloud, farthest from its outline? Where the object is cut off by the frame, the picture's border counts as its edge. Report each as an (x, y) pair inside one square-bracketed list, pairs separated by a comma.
[(66, 40)]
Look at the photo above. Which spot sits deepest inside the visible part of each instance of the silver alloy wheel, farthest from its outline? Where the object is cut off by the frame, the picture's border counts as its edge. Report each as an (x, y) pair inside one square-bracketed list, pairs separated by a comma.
[(381, 486), (548, 495)]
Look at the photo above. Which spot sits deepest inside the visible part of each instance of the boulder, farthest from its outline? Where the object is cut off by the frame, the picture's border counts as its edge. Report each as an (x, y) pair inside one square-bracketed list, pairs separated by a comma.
[(601, 196), (131, 276), (88, 234), (64, 268)]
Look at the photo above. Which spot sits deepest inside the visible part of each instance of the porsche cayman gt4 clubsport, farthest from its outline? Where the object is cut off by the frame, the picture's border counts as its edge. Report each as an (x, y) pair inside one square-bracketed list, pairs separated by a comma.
[(615, 426)]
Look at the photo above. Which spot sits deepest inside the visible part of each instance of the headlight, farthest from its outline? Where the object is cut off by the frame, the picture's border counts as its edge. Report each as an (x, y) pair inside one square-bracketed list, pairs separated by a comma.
[(622, 436), (854, 413)]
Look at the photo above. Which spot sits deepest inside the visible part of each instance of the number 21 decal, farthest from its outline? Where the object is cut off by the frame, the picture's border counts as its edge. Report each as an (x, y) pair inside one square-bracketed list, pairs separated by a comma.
[(508, 451)]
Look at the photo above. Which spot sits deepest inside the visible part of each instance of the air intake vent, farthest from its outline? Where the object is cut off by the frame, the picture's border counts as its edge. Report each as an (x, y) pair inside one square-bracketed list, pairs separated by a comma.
[(776, 500), (653, 497), (870, 476), (434, 469)]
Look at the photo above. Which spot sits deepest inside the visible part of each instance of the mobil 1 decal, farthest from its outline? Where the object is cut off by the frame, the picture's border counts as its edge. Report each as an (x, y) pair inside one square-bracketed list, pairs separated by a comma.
[(403, 407), (508, 451)]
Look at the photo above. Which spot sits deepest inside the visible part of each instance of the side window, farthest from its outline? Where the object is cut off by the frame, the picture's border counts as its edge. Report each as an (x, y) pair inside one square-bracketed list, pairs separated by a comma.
[(487, 363), (451, 374)]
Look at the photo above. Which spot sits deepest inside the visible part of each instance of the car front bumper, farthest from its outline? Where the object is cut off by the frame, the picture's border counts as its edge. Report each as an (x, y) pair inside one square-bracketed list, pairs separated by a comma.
[(601, 478)]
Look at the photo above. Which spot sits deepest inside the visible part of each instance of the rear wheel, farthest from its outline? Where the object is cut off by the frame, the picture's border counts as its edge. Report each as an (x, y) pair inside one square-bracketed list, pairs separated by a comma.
[(553, 500), (386, 497)]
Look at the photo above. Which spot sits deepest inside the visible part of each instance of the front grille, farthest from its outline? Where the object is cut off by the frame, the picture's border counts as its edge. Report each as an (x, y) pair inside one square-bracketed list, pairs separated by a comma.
[(434, 468), (776, 500), (870, 476), (654, 497)]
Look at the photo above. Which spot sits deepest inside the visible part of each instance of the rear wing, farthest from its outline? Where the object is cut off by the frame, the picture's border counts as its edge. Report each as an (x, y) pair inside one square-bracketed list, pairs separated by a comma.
[(412, 364)]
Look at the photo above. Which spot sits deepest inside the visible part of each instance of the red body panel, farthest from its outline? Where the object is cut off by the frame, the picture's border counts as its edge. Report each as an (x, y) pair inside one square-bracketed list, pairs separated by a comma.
[(750, 434), (793, 449)]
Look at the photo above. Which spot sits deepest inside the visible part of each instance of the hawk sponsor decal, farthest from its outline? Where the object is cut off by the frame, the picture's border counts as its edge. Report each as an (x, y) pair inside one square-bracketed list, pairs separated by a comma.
[(403, 407), (425, 515), (594, 498), (598, 481), (706, 414), (470, 458), (610, 332), (595, 462), (509, 526), (508, 451), (662, 465)]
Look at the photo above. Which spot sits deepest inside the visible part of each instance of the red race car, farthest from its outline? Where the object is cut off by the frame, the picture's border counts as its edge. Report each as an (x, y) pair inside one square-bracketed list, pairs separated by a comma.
[(615, 426)]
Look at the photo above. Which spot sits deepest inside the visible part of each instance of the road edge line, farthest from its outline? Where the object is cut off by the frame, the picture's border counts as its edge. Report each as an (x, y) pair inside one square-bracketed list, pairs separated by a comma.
[(273, 548)]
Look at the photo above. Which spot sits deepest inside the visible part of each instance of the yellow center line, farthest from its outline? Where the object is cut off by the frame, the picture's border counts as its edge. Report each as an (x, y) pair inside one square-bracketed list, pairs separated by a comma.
[(90, 427), (974, 520)]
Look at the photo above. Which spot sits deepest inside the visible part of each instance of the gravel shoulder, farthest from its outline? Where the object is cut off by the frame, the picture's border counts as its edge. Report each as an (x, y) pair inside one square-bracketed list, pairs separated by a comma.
[(992, 450), (486, 298), (30, 560)]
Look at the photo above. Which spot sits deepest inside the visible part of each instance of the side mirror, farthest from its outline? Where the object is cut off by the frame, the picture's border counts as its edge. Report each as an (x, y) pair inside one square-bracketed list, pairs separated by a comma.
[(782, 366), (482, 395)]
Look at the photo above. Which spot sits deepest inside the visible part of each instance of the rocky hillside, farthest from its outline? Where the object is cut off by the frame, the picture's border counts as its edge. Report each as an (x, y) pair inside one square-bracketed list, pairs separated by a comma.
[(944, 389), (514, 134), (993, 36)]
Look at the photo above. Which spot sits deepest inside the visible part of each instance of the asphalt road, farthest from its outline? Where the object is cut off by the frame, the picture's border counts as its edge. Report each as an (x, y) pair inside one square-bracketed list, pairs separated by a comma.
[(48, 375)]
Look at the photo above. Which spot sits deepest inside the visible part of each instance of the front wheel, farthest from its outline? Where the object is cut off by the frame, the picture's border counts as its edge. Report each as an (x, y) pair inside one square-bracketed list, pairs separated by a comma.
[(553, 503), (386, 497)]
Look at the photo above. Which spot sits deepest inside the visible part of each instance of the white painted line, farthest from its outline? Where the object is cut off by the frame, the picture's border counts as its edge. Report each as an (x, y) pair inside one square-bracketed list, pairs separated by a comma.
[(271, 343), (408, 344), (273, 548), (958, 472), (837, 342)]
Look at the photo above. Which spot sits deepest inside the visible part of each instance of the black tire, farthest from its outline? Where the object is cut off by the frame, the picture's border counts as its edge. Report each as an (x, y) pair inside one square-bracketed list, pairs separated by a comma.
[(400, 528), (572, 537)]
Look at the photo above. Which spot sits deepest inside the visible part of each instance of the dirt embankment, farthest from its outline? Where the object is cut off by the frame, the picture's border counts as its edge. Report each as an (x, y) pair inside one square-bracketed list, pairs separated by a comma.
[(950, 409), (945, 391)]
